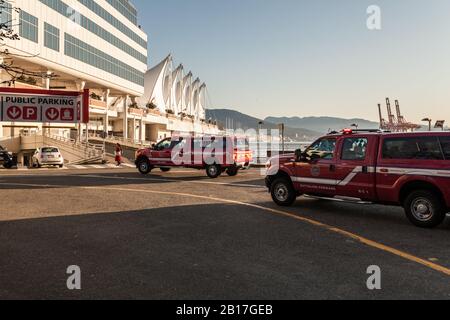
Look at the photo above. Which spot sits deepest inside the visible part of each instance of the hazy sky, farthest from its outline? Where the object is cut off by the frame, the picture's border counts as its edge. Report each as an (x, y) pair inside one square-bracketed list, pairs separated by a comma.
[(315, 57)]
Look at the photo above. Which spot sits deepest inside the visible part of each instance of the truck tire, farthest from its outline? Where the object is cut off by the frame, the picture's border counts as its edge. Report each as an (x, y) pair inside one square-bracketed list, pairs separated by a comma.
[(213, 171), (424, 209), (232, 171), (283, 192), (144, 166)]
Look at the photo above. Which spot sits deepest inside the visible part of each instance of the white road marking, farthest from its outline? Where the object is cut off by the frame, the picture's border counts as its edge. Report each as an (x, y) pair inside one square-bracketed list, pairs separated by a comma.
[(78, 167)]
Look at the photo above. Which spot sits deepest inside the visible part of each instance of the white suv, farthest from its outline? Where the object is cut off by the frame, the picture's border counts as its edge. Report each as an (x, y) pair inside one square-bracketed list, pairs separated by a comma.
[(48, 156)]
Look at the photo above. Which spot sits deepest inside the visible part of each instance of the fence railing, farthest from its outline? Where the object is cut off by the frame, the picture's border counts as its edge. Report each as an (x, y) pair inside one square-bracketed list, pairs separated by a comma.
[(90, 150), (122, 140)]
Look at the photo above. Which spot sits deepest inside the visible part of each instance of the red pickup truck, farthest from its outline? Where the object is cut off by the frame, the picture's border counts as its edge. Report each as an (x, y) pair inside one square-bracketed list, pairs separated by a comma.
[(411, 170), (215, 154)]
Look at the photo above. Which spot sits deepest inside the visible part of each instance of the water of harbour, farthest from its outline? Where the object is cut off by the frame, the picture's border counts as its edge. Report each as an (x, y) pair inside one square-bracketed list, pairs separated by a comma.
[(266, 149)]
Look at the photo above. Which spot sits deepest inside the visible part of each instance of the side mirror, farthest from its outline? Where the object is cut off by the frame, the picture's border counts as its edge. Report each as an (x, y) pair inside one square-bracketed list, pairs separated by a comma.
[(153, 146), (301, 156), (298, 154), (315, 157)]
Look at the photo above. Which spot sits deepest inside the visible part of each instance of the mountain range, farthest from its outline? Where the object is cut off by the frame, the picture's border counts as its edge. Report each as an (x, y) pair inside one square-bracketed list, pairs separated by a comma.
[(324, 124), (296, 128), (236, 120)]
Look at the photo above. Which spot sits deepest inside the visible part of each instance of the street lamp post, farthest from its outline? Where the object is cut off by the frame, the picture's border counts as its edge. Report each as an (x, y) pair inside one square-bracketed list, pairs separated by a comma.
[(258, 152), (282, 129), (429, 122)]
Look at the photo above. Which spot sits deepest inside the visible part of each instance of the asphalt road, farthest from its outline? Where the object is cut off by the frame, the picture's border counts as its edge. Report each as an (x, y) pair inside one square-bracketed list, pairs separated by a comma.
[(180, 235)]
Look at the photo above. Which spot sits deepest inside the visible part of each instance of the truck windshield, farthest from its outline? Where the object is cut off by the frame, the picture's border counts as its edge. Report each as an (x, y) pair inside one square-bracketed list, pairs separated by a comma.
[(323, 148)]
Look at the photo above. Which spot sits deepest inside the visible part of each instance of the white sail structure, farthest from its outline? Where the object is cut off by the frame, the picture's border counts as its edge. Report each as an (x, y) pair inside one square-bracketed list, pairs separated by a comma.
[(167, 88), (202, 96), (177, 90), (158, 85), (172, 89), (195, 98), (187, 94)]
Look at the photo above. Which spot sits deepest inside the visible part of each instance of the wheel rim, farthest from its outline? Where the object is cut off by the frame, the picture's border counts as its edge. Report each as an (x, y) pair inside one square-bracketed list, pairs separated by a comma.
[(281, 192), (213, 170), (144, 166), (422, 209)]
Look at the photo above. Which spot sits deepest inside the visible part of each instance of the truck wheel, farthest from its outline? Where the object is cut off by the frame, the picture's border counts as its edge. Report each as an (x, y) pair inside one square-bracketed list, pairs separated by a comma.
[(283, 193), (213, 171), (232, 171), (165, 169), (424, 209), (144, 167)]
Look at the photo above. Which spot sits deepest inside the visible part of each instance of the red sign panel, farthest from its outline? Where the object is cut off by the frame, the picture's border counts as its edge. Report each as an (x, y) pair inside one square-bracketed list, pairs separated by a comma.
[(24, 105), (51, 114), (30, 113), (14, 113)]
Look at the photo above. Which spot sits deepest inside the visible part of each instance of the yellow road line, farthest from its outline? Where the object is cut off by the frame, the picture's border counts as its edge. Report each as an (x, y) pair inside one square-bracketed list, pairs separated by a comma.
[(345, 233), (342, 232)]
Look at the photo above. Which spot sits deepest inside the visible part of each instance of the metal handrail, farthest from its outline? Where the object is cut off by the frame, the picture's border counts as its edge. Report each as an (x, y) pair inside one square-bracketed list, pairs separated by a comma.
[(111, 138), (90, 150)]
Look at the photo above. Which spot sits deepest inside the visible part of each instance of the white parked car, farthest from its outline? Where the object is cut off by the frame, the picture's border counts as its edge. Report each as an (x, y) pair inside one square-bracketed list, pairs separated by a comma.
[(48, 156)]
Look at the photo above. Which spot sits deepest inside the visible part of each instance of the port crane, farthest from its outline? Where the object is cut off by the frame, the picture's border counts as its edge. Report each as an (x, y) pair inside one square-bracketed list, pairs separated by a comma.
[(395, 123)]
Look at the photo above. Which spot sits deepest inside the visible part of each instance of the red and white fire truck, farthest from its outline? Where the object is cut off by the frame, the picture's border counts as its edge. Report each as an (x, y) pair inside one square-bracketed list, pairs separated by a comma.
[(215, 154), (411, 170)]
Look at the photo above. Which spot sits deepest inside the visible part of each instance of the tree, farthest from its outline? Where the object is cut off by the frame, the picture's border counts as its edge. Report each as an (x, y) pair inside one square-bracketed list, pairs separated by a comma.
[(7, 33)]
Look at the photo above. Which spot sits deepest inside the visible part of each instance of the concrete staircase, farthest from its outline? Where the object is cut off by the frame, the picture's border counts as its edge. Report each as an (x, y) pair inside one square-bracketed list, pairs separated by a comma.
[(76, 152)]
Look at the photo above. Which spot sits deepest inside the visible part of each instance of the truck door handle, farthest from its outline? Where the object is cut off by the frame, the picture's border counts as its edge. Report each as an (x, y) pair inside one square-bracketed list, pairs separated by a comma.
[(365, 169), (332, 168)]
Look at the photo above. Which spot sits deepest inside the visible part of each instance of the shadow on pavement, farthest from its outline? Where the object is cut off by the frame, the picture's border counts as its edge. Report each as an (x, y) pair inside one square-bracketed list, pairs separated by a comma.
[(116, 178), (197, 252)]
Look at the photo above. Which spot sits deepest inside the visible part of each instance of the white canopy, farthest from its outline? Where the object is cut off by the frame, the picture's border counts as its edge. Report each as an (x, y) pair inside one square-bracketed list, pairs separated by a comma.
[(170, 89)]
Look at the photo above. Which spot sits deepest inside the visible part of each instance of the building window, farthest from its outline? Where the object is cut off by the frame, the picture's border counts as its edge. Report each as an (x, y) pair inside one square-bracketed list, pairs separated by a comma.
[(28, 26), (91, 26), (51, 37), (6, 14), (125, 8), (103, 13), (83, 52)]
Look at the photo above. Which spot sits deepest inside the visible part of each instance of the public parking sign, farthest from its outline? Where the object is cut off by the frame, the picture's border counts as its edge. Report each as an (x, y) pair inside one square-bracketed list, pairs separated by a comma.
[(25, 105)]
